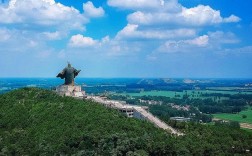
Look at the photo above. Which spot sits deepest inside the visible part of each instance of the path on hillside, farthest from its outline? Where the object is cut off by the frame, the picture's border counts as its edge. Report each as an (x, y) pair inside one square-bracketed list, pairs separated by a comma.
[(150, 117), (145, 114)]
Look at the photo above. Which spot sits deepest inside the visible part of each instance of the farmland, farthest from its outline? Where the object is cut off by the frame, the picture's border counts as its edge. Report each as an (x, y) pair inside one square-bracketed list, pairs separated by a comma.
[(237, 117), (191, 93)]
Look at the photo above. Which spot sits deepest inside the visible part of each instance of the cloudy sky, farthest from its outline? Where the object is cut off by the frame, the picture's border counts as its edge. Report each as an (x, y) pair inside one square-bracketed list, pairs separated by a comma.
[(127, 38)]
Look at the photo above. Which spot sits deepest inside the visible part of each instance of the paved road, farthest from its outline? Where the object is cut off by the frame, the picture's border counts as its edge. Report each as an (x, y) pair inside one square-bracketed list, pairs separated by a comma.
[(146, 115), (246, 125), (150, 117)]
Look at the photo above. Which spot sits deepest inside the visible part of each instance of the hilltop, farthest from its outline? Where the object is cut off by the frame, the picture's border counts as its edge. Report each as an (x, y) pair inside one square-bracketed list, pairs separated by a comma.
[(38, 122)]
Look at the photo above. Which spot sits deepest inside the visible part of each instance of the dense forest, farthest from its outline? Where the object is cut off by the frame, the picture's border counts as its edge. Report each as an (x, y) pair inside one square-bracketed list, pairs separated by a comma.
[(38, 122)]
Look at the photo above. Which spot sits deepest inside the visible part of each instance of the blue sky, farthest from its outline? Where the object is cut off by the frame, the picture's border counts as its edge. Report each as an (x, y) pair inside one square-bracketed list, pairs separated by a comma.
[(127, 38)]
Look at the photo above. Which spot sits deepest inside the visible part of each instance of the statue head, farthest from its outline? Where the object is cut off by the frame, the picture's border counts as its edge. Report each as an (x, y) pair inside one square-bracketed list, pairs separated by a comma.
[(69, 65)]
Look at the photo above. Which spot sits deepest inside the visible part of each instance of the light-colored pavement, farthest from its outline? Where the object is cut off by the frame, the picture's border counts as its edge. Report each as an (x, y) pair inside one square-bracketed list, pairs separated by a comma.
[(246, 125), (145, 115), (150, 117)]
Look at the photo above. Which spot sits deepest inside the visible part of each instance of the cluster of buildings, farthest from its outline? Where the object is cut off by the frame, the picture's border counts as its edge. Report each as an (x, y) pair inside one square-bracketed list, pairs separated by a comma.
[(179, 107), (173, 105), (180, 119), (248, 85), (151, 102)]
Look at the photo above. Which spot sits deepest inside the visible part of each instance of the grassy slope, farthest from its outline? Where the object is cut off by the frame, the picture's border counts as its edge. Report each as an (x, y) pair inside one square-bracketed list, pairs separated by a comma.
[(237, 117)]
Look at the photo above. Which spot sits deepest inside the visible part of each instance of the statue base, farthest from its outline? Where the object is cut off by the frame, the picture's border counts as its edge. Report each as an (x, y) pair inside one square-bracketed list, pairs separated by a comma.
[(69, 90)]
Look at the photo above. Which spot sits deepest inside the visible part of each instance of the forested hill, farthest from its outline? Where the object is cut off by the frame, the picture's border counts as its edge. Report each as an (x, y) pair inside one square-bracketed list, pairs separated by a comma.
[(39, 122)]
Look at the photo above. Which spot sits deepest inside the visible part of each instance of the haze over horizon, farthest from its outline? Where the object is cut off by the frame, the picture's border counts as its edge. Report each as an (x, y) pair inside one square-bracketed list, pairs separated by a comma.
[(175, 78), (127, 39)]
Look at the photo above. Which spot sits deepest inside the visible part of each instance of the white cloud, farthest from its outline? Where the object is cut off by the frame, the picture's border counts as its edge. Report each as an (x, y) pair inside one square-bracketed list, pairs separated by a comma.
[(221, 37), (41, 13), (157, 20), (147, 5), (53, 35), (82, 41), (104, 47), (213, 41), (189, 45), (231, 18), (105, 39), (196, 16), (153, 24), (32, 43), (11, 37), (122, 48), (91, 11), (246, 49), (237, 51), (135, 4), (174, 29), (47, 15), (162, 2), (200, 41), (32, 26), (201, 15), (131, 31), (171, 47), (5, 35)]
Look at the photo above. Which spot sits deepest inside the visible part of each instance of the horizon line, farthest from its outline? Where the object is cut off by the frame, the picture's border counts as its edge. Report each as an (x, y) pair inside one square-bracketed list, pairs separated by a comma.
[(133, 77)]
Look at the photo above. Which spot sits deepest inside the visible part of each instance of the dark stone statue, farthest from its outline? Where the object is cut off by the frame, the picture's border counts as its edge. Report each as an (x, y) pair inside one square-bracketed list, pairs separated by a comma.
[(68, 73)]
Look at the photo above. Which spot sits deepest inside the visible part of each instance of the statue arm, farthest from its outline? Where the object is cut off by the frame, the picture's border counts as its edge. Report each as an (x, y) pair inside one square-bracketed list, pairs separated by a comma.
[(76, 72), (61, 74)]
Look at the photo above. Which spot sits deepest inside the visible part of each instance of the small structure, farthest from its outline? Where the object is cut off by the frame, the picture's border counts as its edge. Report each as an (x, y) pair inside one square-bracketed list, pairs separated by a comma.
[(69, 88), (180, 119)]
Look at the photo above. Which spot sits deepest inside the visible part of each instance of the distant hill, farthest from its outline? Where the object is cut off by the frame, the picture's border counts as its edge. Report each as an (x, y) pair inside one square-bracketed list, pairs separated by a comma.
[(38, 122)]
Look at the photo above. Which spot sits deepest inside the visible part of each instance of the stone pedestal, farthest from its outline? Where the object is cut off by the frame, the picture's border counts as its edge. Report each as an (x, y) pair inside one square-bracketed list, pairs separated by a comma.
[(69, 90)]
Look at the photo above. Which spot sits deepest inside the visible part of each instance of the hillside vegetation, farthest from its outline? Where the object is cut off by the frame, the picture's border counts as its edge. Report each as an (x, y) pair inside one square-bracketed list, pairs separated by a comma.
[(38, 122)]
